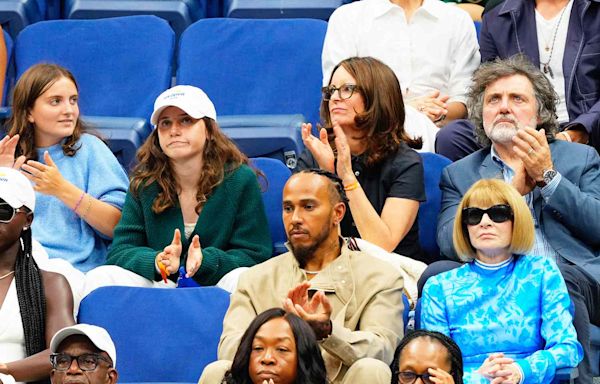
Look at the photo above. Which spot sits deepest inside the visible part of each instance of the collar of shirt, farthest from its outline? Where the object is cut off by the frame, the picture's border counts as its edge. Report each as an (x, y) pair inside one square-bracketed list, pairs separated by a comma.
[(507, 171), (381, 7)]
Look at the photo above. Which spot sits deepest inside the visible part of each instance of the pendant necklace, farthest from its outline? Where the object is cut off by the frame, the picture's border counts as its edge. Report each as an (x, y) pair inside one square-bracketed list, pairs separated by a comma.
[(546, 66)]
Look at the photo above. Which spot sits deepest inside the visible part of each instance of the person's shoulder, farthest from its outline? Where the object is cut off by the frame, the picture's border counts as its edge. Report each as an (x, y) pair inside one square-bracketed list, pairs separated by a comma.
[(241, 172), (450, 12), (471, 161), (403, 156), (354, 8), (370, 269), (53, 281), (268, 267), (93, 141)]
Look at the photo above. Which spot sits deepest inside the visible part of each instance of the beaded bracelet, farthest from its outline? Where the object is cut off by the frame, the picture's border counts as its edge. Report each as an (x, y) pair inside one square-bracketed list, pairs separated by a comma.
[(79, 202), (87, 209)]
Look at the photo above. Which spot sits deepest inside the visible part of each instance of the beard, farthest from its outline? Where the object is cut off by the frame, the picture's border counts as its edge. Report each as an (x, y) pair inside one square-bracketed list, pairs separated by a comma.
[(304, 253), (502, 132)]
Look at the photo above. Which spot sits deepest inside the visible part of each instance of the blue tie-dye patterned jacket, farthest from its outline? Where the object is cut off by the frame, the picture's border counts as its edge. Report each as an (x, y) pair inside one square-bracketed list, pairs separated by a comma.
[(520, 308)]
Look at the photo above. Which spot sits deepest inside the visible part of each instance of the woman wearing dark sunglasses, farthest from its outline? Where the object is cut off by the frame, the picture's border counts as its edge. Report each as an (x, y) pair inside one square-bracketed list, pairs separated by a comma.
[(34, 304), (364, 142), (506, 308)]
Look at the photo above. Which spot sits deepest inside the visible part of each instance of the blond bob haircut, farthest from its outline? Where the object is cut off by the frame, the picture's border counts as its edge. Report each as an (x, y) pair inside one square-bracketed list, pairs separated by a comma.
[(484, 194)]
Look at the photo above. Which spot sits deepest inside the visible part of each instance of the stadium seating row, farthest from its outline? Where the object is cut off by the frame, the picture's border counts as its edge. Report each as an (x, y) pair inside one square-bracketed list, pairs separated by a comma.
[(17, 14)]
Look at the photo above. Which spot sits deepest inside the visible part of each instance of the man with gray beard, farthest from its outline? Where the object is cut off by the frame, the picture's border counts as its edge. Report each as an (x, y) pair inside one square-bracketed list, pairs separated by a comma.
[(512, 105)]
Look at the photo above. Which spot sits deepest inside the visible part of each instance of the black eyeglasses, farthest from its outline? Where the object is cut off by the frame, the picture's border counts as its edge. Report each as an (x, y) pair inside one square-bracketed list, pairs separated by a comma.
[(86, 361), (345, 91), (411, 377), (497, 213), (7, 213)]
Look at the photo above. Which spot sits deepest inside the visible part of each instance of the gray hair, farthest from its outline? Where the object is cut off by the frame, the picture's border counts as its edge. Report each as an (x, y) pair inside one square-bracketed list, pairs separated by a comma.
[(545, 95)]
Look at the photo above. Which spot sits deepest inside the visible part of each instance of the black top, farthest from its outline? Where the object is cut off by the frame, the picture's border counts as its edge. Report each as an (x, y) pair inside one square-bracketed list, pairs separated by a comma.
[(400, 175)]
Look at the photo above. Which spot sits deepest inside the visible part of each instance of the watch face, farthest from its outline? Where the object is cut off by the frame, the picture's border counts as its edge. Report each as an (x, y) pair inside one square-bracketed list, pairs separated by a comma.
[(549, 175)]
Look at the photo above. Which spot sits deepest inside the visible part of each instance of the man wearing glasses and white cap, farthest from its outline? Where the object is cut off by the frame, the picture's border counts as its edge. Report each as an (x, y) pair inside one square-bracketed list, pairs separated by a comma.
[(83, 353)]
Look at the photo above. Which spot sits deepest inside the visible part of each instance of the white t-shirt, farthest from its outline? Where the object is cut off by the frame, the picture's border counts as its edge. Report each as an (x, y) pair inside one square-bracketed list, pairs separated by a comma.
[(545, 33), (437, 49)]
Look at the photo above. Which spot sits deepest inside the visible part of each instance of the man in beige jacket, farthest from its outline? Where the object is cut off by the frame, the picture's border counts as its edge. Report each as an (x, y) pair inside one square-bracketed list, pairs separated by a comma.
[(352, 301)]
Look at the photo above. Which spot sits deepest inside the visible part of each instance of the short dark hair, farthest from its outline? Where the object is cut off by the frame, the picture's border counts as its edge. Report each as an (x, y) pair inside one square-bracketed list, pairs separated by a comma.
[(337, 193), (488, 73), (454, 353), (311, 367)]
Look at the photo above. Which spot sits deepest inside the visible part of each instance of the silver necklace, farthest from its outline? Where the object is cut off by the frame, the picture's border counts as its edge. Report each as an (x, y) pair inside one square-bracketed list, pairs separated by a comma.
[(546, 66), (6, 275)]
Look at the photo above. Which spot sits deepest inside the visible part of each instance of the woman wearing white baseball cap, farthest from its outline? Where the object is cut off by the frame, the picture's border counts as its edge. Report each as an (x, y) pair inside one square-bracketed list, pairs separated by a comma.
[(193, 200), (34, 304)]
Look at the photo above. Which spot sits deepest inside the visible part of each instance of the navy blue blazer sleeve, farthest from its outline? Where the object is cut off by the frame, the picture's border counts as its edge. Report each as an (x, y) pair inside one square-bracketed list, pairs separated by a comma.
[(451, 197)]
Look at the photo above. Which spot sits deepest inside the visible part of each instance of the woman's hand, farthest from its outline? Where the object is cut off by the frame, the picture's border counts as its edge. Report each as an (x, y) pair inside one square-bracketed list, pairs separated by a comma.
[(3, 368), (439, 376), (318, 147), (344, 158), (171, 254), (46, 177), (194, 257), (8, 145), (500, 370)]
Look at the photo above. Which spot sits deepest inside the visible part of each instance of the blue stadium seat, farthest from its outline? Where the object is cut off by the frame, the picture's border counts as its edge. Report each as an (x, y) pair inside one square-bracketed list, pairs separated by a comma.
[(275, 136), (433, 165), (161, 335), (179, 13), (17, 14), (278, 9), (477, 28), (276, 174), (118, 75)]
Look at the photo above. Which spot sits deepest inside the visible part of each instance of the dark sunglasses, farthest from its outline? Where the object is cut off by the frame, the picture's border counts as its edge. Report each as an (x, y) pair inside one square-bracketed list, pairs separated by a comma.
[(411, 377), (7, 213), (497, 213)]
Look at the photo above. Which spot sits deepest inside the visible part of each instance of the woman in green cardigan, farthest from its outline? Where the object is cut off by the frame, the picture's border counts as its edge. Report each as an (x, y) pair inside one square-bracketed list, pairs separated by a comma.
[(193, 201)]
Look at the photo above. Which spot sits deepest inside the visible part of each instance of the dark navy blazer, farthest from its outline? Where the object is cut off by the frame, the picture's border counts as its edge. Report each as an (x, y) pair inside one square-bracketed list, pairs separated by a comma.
[(510, 28)]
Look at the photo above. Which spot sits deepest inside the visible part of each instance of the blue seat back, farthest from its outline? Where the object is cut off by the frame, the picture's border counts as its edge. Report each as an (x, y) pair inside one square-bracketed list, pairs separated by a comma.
[(429, 210), (121, 64), (161, 335), (250, 67), (277, 174)]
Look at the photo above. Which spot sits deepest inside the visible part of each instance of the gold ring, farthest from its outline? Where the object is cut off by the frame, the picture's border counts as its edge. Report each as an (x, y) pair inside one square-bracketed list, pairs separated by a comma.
[(531, 150), (421, 108)]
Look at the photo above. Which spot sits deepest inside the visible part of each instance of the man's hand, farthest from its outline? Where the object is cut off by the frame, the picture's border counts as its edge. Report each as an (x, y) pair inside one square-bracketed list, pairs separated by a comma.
[(318, 147), (8, 145), (432, 105), (316, 311), (171, 254), (521, 180), (194, 257), (531, 146)]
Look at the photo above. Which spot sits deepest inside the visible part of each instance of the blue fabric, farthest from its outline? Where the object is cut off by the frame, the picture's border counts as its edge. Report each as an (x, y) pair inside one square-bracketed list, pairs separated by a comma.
[(255, 66), (569, 218), (161, 335), (121, 64), (510, 28), (521, 309), (63, 234)]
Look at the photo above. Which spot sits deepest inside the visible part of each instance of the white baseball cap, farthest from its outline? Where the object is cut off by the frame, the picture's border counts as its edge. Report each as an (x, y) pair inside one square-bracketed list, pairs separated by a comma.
[(189, 99), (97, 335), (15, 189)]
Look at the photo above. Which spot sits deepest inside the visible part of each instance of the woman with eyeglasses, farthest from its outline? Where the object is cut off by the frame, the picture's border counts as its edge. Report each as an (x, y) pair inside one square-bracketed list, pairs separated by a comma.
[(363, 141), (277, 348), (34, 304), (508, 310), (80, 185), (427, 355)]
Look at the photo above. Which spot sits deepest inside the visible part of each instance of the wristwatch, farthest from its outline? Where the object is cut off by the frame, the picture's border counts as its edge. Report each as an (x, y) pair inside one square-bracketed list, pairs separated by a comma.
[(547, 177)]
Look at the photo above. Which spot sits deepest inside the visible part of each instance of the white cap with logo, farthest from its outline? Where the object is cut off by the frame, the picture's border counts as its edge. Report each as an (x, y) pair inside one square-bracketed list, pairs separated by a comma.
[(97, 335), (189, 99), (15, 189)]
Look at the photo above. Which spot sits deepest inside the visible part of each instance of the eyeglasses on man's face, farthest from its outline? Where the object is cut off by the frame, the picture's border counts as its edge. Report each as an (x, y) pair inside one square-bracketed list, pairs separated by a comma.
[(7, 213), (411, 377), (86, 361), (344, 91)]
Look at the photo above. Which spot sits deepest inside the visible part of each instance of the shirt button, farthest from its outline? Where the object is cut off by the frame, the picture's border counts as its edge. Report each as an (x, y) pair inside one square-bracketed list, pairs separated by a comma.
[(356, 173)]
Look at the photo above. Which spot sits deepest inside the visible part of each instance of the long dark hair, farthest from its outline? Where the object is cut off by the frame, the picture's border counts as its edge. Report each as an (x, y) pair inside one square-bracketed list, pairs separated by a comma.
[(35, 81), (311, 367), (31, 297), (454, 353), (383, 119), (220, 157)]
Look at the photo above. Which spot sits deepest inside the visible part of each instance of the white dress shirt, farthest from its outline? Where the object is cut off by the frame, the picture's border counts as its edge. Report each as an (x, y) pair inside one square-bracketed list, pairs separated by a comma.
[(437, 49)]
